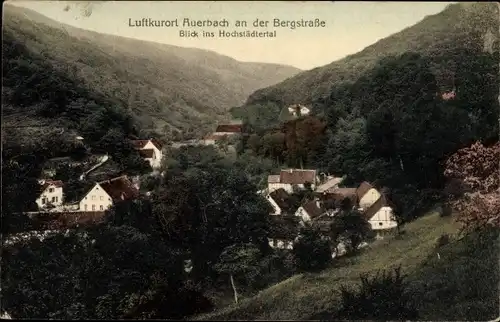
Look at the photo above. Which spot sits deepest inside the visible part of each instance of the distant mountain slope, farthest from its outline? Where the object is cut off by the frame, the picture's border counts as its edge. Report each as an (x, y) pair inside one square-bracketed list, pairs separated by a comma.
[(465, 25), (161, 85)]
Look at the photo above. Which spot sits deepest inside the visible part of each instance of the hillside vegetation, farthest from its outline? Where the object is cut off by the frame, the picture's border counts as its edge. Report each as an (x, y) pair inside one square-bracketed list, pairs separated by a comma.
[(164, 87), (450, 279), (459, 25)]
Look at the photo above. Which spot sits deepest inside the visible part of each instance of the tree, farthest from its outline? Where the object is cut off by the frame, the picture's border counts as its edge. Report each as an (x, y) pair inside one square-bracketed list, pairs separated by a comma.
[(312, 252), (350, 226), (240, 261), (382, 297), (477, 168)]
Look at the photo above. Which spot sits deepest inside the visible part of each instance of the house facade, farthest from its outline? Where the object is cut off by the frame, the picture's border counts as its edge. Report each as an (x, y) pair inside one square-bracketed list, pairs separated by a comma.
[(106, 193), (375, 208), (150, 150), (51, 194), (222, 132)]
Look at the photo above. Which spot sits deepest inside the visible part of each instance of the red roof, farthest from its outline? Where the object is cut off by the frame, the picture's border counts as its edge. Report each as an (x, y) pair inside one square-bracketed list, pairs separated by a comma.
[(120, 188), (313, 209), (297, 176), (230, 128), (147, 153)]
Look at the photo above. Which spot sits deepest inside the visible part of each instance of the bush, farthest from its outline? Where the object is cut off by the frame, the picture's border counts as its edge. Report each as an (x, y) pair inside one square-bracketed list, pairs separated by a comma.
[(382, 297), (443, 240)]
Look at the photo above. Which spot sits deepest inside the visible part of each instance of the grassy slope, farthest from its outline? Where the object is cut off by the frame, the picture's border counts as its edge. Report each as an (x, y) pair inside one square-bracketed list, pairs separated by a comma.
[(162, 84), (459, 25), (306, 296)]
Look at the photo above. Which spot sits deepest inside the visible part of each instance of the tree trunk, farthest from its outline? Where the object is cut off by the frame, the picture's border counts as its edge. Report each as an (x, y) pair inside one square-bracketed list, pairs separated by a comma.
[(234, 288)]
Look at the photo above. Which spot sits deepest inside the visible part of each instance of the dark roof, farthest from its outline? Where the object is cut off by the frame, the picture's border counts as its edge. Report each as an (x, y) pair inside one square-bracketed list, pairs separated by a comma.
[(373, 209), (284, 227), (230, 128), (120, 188), (282, 199), (312, 209), (297, 176), (139, 144), (47, 183), (363, 188), (147, 153), (339, 194)]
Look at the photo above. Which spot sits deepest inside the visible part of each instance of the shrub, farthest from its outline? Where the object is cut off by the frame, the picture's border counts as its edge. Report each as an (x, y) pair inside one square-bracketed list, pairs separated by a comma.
[(311, 252), (382, 297)]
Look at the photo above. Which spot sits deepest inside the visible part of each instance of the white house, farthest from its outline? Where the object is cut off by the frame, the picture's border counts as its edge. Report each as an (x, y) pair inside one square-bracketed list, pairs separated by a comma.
[(150, 150), (105, 193), (288, 178), (223, 131), (378, 213), (299, 108), (51, 193)]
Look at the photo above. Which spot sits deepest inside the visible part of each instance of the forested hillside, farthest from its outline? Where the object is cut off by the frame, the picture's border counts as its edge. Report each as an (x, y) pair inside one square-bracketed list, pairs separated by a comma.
[(463, 26), (390, 124), (165, 88)]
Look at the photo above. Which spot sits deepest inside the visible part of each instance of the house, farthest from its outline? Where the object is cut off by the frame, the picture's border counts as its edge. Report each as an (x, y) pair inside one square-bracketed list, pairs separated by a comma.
[(311, 210), (150, 150), (106, 193), (299, 110), (283, 232), (223, 131), (51, 193), (330, 183), (290, 178), (366, 195), (281, 202), (380, 215)]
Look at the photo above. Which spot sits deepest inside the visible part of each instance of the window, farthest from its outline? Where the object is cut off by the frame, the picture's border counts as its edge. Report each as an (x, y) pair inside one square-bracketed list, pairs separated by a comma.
[(93, 198), (93, 207), (380, 224), (44, 201), (57, 199), (54, 199), (51, 189), (101, 198), (85, 207), (101, 207)]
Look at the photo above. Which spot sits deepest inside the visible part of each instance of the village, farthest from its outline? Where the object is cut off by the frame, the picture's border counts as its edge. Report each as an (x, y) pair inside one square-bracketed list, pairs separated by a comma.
[(326, 197)]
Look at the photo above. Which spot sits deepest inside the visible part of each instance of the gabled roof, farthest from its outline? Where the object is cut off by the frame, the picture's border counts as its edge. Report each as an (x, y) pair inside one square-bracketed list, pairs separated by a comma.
[(363, 188), (282, 199), (47, 183), (373, 209), (147, 153), (297, 176), (273, 178), (230, 128), (139, 144), (120, 188), (313, 210)]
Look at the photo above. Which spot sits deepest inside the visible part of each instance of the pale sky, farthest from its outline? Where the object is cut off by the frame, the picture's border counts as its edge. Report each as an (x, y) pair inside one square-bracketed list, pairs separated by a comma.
[(350, 26)]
